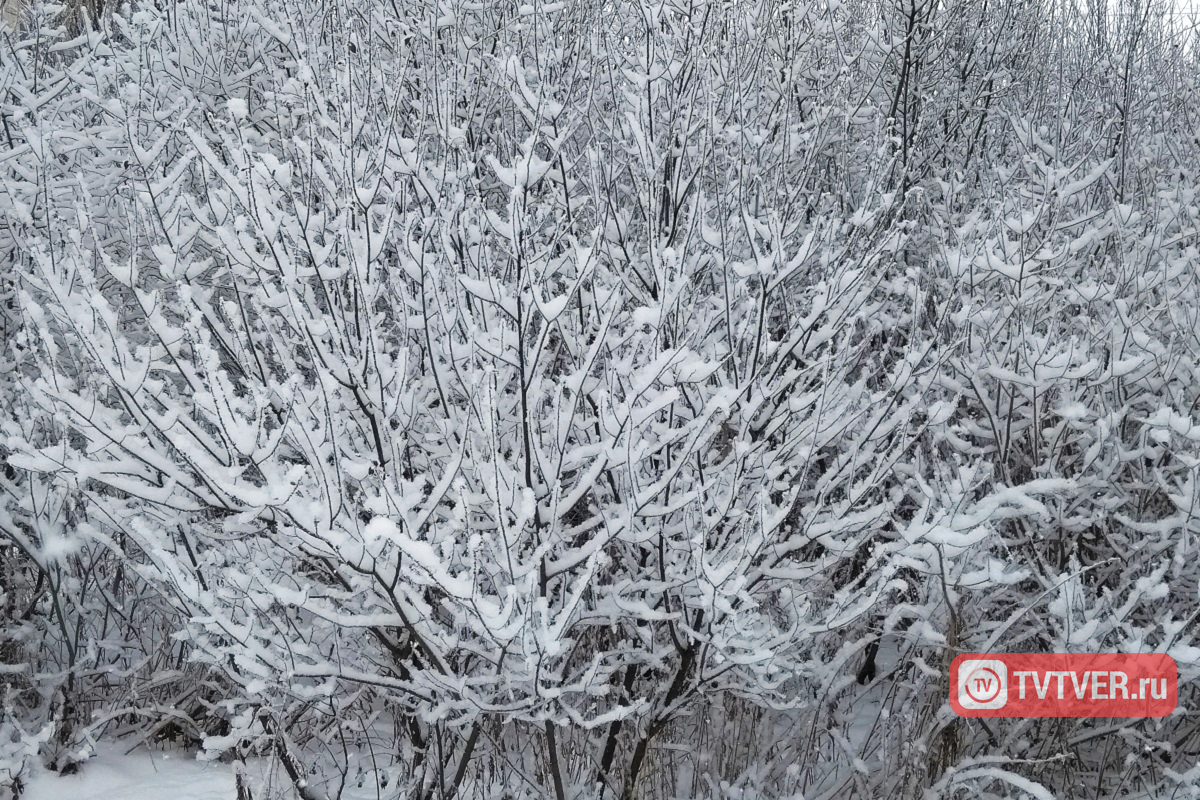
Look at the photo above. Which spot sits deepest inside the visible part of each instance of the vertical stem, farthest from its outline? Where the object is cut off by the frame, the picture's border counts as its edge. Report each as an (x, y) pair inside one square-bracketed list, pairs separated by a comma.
[(555, 766)]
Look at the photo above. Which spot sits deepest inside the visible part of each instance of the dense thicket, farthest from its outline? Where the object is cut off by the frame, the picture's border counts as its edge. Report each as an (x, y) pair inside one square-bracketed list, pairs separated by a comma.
[(638, 399)]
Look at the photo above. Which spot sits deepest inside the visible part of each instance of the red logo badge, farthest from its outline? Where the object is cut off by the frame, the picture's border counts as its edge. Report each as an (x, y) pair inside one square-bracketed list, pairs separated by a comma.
[(1063, 685)]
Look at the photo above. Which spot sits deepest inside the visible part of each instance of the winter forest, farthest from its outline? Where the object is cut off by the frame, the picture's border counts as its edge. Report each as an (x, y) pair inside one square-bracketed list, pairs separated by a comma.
[(595, 399)]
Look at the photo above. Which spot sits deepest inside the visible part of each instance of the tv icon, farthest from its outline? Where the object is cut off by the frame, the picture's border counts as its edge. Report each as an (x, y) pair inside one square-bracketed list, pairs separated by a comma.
[(982, 684)]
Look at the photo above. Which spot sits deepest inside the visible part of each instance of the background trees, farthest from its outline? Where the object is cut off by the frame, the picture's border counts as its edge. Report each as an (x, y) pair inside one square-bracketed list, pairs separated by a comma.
[(567, 399)]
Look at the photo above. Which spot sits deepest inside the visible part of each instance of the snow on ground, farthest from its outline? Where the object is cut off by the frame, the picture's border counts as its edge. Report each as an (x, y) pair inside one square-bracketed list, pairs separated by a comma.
[(141, 775), (114, 774)]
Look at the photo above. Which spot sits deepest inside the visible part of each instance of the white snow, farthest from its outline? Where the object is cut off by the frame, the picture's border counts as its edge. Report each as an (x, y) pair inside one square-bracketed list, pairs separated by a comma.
[(142, 775)]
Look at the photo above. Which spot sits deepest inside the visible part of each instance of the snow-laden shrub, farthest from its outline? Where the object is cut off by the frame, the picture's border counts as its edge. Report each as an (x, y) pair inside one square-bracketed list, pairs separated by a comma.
[(579, 400)]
